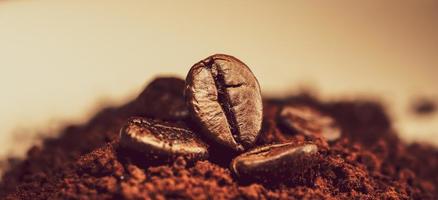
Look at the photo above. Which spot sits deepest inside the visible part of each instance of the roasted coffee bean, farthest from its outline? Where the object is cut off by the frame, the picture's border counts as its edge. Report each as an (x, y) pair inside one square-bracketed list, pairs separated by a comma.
[(224, 98), (160, 140), (424, 106), (164, 99), (308, 121), (273, 163)]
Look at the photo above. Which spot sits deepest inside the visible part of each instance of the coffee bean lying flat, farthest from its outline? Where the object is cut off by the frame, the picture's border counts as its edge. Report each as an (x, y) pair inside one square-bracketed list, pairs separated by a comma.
[(224, 98), (164, 99), (273, 163), (159, 140), (308, 121)]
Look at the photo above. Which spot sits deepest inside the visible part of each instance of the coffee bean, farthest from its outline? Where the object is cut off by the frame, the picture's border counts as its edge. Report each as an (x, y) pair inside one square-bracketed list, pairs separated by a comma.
[(160, 140), (224, 98), (308, 121), (164, 99), (273, 163)]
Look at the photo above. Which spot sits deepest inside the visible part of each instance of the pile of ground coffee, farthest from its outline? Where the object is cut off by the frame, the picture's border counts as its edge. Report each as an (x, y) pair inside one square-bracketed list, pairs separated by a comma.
[(369, 161), (306, 149)]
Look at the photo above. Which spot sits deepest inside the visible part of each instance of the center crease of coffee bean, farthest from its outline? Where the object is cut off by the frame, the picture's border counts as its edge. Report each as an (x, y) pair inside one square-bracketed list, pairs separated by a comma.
[(224, 98)]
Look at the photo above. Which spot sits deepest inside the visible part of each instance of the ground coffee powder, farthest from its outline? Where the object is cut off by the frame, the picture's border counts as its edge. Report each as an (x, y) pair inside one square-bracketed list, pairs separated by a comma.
[(368, 161)]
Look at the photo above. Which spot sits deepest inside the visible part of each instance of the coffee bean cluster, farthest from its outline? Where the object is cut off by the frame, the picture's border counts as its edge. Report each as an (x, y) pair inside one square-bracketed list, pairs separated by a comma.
[(221, 100)]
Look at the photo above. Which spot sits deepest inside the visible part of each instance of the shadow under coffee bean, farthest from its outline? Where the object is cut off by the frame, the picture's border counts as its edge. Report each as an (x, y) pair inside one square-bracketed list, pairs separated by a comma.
[(275, 163), (224, 98), (161, 141)]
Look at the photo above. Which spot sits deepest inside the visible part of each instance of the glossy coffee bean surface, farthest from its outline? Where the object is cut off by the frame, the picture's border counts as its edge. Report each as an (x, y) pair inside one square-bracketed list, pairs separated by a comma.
[(157, 139), (223, 96), (308, 121), (273, 163)]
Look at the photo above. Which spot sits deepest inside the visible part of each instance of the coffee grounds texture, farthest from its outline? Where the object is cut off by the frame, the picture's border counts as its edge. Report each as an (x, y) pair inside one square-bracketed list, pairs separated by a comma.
[(369, 161)]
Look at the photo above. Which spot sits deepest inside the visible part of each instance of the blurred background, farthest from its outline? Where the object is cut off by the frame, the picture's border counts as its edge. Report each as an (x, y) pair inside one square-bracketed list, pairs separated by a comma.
[(60, 61)]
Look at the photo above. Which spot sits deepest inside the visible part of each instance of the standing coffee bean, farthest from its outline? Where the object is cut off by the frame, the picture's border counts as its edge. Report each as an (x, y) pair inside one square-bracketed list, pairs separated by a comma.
[(224, 97), (164, 99), (273, 163), (160, 140), (308, 121)]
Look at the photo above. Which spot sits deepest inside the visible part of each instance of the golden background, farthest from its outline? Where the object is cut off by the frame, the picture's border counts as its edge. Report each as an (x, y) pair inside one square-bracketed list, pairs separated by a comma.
[(62, 60)]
